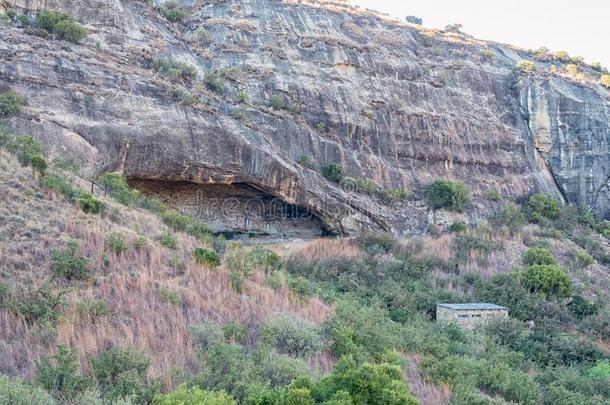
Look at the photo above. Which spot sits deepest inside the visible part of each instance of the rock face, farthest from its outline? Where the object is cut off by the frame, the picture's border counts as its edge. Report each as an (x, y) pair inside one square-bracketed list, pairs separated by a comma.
[(279, 80)]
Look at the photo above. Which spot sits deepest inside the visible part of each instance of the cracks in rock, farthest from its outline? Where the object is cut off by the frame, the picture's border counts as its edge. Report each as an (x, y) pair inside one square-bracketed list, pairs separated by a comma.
[(537, 153)]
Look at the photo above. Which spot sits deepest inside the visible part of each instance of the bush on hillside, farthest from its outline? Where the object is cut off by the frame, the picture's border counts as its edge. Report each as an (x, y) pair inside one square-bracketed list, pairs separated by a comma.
[(193, 395), (306, 161), (448, 194), (510, 216), (115, 243), (39, 164), (292, 335), (24, 148), (582, 308), (88, 203), (208, 257), (333, 172), (526, 66), (174, 70), (173, 11), (116, 185), (605, 81), (10, 104), (62, 25), (59, 375), (17, 391), (538, 256), (69, 263), (540, 208), (548, 280), (122, 373)]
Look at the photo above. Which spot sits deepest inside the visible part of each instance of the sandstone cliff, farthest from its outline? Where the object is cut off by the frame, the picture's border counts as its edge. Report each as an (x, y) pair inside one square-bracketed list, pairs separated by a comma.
[(390, 102)]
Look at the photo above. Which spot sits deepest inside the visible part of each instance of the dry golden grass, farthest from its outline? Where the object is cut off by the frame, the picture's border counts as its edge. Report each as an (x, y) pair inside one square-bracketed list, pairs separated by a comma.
[(35, 222), (426, 392)]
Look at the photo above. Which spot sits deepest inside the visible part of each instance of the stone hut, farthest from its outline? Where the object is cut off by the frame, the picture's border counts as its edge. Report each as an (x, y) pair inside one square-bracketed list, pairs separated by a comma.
[(470, 316)]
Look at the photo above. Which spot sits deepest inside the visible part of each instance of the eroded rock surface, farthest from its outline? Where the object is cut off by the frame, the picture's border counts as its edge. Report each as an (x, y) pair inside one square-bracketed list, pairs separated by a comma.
[(389, 102)]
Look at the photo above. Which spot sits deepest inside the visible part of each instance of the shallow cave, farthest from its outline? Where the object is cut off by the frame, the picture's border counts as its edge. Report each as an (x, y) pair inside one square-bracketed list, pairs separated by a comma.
[(235, 210)]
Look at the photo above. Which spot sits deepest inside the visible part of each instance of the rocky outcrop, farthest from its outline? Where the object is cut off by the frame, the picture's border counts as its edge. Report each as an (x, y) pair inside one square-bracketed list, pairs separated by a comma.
[(396, 104)]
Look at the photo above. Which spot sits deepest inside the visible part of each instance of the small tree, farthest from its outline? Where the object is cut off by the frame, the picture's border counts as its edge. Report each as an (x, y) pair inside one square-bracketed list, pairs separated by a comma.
[(10, 104), (39, 165), (448, 194), (526, 66), (123, 373), (542, 207), (59, 375), (24, 148), (548, 280), (89, 204), (69, 263), (205, 256), (333, 172), (535, 256)]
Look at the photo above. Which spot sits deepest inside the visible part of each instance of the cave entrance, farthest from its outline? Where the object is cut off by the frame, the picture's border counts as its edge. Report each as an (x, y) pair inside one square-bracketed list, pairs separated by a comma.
[(235, 210)]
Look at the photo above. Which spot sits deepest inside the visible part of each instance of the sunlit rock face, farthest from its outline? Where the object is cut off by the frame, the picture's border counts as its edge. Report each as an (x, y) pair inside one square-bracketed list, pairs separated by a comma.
[(392, 103)]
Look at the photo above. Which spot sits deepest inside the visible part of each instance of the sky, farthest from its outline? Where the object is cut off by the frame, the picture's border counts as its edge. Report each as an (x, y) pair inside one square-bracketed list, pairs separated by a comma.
[(580, 27)]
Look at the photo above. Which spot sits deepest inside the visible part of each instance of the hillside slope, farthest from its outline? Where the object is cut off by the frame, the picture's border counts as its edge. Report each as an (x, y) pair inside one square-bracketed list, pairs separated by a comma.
[(278, 90)]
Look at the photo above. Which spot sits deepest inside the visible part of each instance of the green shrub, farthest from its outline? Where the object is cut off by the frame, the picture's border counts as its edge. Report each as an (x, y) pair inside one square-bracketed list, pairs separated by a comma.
[(123, 373), (170, 296), (208, 257), (207, 334), (214, 82), (583, 259), (10, 104), (333, 172), (447, 194), (173, 11), (18, 392), (601, 371), (193, 395), (526, 66), (227, 367), (278, 102), (168, 240), (458, 227), (542, 207), (376, 242), (582, 308), (538, 256), (174, 70), (39, 164), (176, 220), (605, 81), (70, 31), (116, 185), (367, 383), (24, 148), (235, 332), (58, 374), (95, 309), (279, 369), (355, 329), (265, 259), (115, 243), (62, 25), (88, 203), (292, 335), (548, 280), (38, 304), (306, 161), (510, 216), (69, 264)]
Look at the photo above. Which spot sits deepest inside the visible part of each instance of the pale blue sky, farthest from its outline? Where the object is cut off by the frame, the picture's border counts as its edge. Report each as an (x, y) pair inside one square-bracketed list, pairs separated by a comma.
[(580, 27)]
